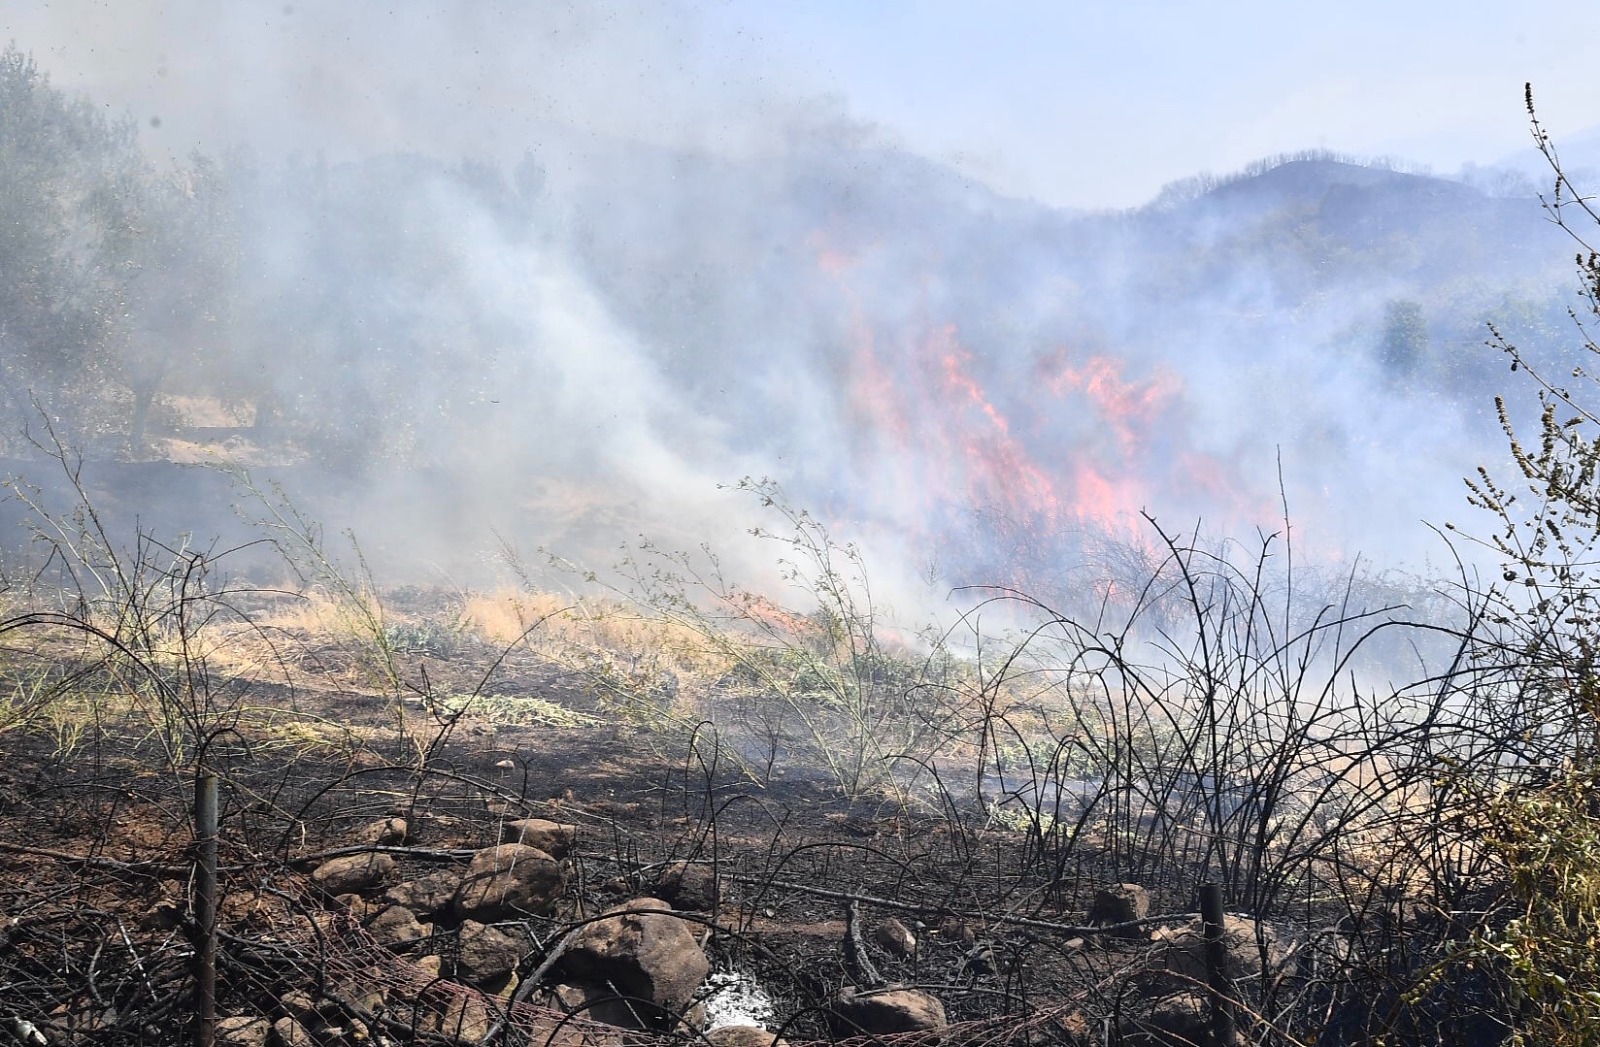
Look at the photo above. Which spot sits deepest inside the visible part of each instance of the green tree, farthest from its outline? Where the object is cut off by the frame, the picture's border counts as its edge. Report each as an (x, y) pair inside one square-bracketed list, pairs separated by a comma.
[(1404, 343), (169, 244), (57, 305)]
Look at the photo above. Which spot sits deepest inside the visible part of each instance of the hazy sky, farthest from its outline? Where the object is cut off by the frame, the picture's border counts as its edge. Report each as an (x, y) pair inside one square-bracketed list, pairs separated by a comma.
[(1083, 104), (1101, 102)]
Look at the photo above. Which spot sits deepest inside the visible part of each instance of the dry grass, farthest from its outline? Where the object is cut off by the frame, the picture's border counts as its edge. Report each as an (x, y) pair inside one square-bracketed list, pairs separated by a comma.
[(317, 614), (562, 624)]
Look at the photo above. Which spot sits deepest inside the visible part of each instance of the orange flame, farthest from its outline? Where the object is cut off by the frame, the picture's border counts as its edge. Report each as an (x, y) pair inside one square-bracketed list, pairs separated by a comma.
[(1074, 439)]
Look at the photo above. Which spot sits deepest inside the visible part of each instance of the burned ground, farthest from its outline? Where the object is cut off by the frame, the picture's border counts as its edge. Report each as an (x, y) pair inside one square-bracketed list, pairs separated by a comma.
[(98, 854)]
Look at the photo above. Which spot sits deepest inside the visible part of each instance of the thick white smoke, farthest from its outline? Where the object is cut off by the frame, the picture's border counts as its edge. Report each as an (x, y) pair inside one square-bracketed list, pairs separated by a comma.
[(561, 269)]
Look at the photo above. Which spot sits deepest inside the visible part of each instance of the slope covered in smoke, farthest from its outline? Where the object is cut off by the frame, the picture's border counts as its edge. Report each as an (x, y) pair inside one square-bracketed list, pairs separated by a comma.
[(580, 344), (985, 362)]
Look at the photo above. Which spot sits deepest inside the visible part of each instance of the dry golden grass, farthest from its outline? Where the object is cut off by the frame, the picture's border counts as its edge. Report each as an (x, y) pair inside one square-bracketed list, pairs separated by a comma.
[(559, 623), (317, 614)]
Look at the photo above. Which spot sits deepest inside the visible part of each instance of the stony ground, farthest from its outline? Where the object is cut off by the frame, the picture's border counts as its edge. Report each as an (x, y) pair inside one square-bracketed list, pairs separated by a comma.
[(393, 872)]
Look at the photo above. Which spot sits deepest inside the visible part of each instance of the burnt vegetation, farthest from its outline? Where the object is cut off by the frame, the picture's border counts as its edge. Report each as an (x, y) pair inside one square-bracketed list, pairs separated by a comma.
[(537, 817)]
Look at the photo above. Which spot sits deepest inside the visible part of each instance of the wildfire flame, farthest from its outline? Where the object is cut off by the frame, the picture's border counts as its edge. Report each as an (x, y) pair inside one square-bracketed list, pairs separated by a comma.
[(1063, 439)]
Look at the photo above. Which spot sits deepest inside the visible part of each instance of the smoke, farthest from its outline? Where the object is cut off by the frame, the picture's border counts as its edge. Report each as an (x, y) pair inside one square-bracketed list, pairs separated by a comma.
[(357, 79), (552, 273)]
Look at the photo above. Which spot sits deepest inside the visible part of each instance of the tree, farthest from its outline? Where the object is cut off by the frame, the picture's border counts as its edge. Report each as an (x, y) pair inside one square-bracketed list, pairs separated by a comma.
[(1403, 346), (56, 304), (168, 241)]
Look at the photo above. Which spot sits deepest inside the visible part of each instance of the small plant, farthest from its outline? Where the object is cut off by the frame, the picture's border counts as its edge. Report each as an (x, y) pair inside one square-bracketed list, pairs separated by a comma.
[(1547, 935), (1526, 787), (432, 638), (515, 710)]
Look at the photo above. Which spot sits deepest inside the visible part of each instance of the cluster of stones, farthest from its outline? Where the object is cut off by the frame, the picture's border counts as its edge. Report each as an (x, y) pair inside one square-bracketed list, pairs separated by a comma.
[(636, 967), (1169, 1009)]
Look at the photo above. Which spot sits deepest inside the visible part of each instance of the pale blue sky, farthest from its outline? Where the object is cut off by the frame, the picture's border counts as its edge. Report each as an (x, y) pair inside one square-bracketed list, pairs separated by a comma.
[(1092, 103), (1101, 102)]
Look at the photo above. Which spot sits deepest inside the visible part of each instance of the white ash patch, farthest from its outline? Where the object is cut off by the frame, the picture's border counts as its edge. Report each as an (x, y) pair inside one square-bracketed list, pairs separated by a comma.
[(735, 998)]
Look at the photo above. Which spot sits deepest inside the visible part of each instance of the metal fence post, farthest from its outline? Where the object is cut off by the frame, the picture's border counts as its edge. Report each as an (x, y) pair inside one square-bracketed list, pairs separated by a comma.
[(1220, 985), (205, 908)]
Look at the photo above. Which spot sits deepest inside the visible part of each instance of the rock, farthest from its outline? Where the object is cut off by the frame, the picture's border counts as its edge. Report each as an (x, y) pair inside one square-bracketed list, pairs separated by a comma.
[(553, 838), (601, 1003), (895, 938), (1183, 951), (430, 893), (386, 832), (356, 906), (507, 881), (882, 1013), (645, 954), (163, 916), (243, 1031), (432, 966), (743, 1036), (397, 926), (1120, 903), (287, 1032), (1182, 1019), (466, 1020), (298, 1003), (354, 873), (689, 886), (955, 929), (364, 994), (487, 954)]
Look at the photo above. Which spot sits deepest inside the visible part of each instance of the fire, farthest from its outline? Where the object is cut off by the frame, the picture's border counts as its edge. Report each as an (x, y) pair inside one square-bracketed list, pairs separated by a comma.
[(1031, 445), (1128, 408)]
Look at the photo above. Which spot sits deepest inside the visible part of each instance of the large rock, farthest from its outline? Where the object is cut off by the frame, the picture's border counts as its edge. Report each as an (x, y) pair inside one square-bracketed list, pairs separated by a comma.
[(1182, 952), (487, 954), (553, 838), (689, 886), (507, 881), (895, 938), (429, 893), (243, 1031), (354, 873), (885, 1012), (1118, 904), (397, 926), (647, 955)]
